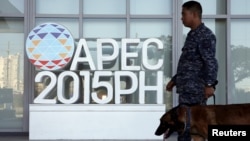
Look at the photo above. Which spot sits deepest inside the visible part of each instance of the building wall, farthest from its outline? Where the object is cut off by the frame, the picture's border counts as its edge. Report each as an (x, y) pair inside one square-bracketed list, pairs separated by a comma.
[(93, 19)]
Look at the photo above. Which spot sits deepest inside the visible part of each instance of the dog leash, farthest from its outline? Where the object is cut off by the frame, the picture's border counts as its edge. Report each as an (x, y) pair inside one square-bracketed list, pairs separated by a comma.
[(214, 99), (188, 123)]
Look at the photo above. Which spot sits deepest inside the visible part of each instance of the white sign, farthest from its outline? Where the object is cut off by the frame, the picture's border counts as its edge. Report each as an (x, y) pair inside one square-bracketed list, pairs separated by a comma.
[(50, 48), (112, 91)]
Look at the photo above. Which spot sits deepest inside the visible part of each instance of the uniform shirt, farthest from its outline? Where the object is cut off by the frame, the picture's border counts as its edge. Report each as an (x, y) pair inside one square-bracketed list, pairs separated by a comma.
[(197, 65)]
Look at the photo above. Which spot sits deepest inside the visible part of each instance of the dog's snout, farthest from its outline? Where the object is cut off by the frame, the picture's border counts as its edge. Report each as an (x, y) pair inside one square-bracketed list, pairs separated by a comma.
[(160, 130), (157, 134)]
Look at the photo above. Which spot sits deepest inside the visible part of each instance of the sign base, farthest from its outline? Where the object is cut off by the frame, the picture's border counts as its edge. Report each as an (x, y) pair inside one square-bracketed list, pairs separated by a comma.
[(95, 121)]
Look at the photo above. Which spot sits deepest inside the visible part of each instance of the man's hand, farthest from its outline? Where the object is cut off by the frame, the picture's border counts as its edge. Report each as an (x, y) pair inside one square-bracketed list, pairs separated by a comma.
[(209, 91), (170, 86)]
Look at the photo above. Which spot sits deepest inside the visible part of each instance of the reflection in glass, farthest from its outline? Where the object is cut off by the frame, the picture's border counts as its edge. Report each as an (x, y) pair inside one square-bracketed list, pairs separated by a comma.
[(144, 28), (213, 6), (12, 7), (104, 7), (71, 24), (151, 7), (240, 64), (104, 28), (11, 73), (61, 6), (240, 7), (160, 29)]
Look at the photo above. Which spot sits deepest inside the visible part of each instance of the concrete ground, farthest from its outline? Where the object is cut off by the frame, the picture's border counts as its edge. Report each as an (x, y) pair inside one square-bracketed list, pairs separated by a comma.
[(26, 138)]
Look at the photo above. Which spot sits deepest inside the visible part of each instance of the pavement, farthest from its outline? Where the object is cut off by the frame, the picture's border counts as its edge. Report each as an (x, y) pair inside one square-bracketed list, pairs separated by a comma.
[(26, 138)]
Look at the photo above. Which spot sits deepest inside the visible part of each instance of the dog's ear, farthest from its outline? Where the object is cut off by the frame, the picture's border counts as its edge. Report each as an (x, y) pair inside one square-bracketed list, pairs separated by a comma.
[(166, 118)]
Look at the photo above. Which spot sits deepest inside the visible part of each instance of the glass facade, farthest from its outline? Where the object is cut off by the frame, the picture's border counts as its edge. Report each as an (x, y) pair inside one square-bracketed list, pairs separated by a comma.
[(107, 7), (65, 7), (119, 19), (11, 74), (239, 50)]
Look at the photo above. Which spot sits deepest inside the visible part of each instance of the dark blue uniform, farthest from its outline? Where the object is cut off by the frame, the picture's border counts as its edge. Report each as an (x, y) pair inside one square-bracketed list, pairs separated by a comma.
[(197, 66)]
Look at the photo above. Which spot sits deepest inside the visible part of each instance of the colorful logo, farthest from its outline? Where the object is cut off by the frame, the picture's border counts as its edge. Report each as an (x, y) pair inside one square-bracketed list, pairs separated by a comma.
[(50, 46)]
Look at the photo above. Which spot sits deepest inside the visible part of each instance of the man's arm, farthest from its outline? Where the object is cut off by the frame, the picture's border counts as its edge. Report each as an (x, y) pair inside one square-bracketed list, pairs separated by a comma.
[(208, 50)]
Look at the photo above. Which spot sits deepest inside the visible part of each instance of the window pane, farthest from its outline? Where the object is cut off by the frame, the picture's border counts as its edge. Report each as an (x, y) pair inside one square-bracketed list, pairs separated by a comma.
[(71, 24), (213, 6), (240, 6), (61, 6), (150, 28), (104, 7), (240, 64), (104, 28), (11, 73), (219, 29), (161, 29), (12, 7), (151, 7)]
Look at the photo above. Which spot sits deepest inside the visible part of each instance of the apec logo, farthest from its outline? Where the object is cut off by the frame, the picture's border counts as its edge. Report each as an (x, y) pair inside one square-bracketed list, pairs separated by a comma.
[(50, 47)]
